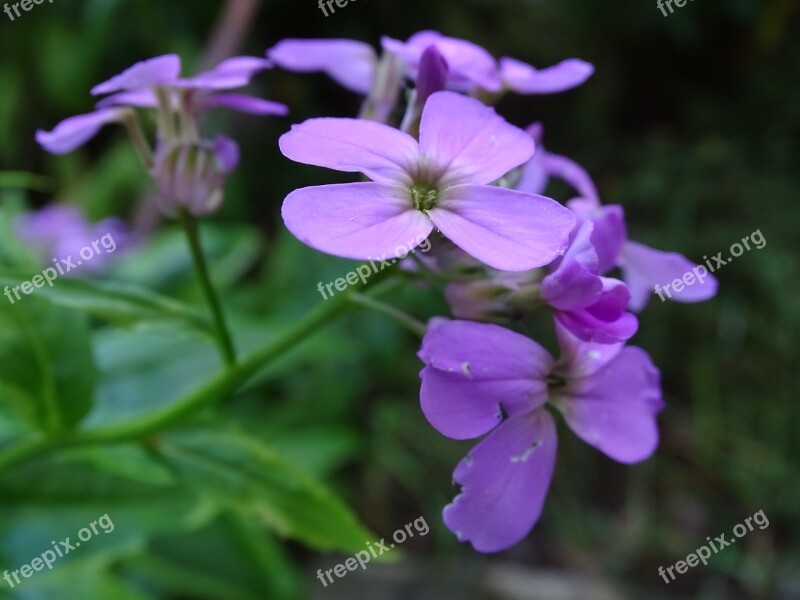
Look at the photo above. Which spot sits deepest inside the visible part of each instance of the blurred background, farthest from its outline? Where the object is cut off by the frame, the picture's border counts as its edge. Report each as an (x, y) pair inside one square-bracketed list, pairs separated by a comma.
[(691, 122)]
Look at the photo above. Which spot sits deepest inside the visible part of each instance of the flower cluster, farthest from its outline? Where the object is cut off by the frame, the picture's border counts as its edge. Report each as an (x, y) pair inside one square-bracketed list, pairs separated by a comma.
[(439, 161), (189, 171)]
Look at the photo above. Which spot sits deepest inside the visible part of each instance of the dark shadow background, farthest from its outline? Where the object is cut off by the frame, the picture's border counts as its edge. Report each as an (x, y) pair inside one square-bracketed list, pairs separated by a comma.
[(691, 122)]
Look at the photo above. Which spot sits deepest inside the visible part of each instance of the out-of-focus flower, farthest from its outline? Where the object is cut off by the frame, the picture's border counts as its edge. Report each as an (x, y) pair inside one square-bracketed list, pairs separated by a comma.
[(483, 379), (440, 181), (59, 231), (140, 85), (353, 64)]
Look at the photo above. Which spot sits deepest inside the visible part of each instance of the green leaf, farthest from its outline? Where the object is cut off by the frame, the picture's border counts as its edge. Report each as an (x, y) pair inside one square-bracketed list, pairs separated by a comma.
[(47, 373), (245, 474), (122, 304)]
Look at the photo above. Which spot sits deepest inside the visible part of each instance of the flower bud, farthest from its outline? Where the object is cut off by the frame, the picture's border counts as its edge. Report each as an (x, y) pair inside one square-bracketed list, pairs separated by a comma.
[(192, 175)]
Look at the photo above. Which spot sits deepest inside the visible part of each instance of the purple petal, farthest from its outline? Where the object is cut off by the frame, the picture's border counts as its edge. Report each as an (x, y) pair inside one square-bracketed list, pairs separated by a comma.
[(472, 370), (144, 74), (504, 482), (505, 229), (432, 75), (382, 153), (534, 177), (226, 152), (232, 73), (139, 98), (351, 64), (469, 65), (571, 172), (572, 286), (605, 322), (356, 220), (468, 142), (609, 233), (525, 79), (579, 358), (647, 270), (245, 104), (615, 409), (75, 131)]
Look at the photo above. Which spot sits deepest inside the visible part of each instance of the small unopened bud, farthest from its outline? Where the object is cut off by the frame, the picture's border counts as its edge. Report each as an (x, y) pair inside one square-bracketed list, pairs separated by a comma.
[(432, 76), (192, 175)]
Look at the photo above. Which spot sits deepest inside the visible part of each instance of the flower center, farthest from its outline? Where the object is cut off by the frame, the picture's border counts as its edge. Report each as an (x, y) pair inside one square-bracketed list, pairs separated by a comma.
[(424, 196)]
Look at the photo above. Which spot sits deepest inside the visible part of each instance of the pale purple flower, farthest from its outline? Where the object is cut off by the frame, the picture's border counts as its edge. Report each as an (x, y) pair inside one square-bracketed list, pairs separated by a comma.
[(354, 64), (483, 379), (590, 306), (134, 88), (61, 231), (440, 181)]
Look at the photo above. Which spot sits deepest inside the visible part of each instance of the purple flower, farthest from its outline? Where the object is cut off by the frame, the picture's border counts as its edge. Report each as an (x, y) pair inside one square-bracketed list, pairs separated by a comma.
[(354, 64), (483, 379), (590, 306), (350, 63), (135, 88), (643, 267), (440, 181), (62, 230)]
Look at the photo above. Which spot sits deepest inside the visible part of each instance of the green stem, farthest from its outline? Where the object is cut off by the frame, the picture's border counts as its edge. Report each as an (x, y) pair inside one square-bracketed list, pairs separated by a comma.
[(189, 224), (409, 322), (223, 384), (131, 122)]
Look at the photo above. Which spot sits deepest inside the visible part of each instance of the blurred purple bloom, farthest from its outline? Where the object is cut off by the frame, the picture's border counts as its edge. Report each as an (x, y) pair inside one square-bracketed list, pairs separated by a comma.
[(62, 230), (134, 88), (483, 379), (440, 181), (590, 306), (350, 63)]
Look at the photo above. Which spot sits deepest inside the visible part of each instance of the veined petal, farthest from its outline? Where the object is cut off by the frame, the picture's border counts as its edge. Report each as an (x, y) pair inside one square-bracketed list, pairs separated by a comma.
[(350, 63), (615, 408), (382, 153), (525, 79), (466, 141), (645, 268), (144, 74), (75, 131), (363, 221), (504, 482), (231, 73), (245, 104), (505, 229), (474, 369)]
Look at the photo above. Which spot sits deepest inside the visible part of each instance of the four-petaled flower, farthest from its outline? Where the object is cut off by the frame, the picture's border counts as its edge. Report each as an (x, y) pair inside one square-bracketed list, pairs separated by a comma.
[(440, 181)]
